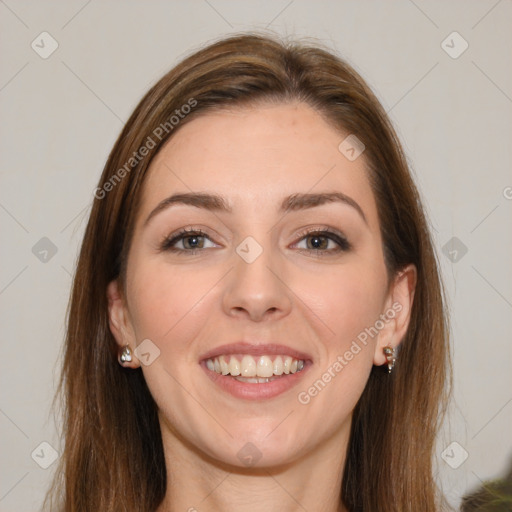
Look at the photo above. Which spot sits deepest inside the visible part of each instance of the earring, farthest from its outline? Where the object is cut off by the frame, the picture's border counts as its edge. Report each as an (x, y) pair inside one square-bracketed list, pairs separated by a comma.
[(389, 352), (125, 356)]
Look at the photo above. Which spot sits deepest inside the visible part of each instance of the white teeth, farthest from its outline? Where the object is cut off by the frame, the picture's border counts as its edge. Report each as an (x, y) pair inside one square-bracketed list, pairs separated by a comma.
[(224, 368), (248, 367), (259, 369), (278, 366), (265, 367), (234, 366), (255, 380)]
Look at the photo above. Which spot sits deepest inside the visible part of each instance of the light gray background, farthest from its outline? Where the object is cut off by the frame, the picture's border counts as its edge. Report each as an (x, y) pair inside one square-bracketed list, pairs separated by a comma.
[(61, 115)]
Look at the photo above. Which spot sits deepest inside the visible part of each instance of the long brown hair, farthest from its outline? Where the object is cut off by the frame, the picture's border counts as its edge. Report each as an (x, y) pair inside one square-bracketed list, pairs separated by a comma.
[(113, 455)]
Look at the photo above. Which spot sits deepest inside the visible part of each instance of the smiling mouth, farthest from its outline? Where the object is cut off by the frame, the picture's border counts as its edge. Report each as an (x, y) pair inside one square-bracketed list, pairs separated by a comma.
[(255, 370)]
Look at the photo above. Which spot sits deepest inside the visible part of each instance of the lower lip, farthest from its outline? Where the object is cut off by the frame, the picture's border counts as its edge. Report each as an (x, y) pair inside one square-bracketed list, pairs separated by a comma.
[(255, 391)]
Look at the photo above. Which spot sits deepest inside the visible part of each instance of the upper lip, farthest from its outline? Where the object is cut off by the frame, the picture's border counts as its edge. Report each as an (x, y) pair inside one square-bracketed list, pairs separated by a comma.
[(254, 349)]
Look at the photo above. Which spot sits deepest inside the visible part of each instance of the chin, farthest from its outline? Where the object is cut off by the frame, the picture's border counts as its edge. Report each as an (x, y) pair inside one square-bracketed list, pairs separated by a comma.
[(257, 448)]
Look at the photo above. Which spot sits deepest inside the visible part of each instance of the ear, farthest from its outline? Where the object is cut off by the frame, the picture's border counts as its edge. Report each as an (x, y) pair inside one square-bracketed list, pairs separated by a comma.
[(119, 322), (397, 312)]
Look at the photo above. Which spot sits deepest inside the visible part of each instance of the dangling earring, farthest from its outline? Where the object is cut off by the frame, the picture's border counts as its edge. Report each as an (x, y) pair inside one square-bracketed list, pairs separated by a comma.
[(389, 352), (125, 356)]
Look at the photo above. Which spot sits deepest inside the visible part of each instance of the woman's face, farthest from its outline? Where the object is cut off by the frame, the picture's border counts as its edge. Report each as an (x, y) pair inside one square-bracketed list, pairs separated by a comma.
[(254, 294)]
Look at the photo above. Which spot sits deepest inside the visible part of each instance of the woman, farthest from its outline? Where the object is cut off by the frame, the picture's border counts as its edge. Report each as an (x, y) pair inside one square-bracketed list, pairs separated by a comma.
[(257, 319)]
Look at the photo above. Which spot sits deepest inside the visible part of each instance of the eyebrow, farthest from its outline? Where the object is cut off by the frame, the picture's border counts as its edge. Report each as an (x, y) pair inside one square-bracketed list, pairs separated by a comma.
[(294, 202)]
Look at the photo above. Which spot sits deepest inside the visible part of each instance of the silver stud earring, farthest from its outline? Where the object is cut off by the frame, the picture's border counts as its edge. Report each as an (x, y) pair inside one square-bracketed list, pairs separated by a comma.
[(389, 352), (125, 356)]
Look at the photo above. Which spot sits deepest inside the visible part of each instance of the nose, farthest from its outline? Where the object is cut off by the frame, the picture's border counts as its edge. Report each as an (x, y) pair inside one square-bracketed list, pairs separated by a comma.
[(257, 289)]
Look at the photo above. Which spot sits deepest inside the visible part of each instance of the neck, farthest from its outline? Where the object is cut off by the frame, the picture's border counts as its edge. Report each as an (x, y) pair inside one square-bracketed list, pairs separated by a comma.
[(196, 482)]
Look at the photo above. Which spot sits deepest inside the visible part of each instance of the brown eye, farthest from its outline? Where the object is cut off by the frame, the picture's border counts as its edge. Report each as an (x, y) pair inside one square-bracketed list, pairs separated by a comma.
[(191, 240), (194, 241), (324, 242), (318, 242)]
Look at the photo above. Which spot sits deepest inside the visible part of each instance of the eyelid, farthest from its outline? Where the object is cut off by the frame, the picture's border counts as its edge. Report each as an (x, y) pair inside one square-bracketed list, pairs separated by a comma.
[(321, 229), (168, 240), (326, 231)]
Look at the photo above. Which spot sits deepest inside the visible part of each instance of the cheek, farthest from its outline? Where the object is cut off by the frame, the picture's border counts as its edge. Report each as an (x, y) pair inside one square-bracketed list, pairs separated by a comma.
[(347, 300), (167, 304), (349, 303)]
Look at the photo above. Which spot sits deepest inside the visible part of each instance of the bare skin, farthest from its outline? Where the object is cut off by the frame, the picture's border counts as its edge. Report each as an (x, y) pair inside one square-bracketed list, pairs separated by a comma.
[(292, 294)]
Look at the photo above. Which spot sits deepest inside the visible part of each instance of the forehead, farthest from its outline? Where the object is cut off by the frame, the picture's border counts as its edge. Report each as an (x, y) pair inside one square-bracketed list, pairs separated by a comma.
[(254, 156)]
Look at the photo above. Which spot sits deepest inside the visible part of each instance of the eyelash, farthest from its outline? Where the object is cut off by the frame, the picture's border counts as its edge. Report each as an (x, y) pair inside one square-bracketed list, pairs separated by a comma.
[(168, 242), (324, 232)]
